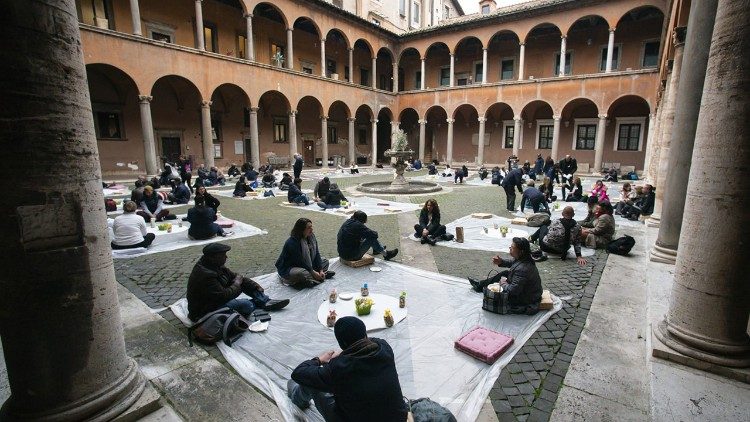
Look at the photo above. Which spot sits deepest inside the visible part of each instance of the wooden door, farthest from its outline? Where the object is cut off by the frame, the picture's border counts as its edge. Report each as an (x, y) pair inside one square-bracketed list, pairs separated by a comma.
[(248, 151), (309, 153), (170, 148)]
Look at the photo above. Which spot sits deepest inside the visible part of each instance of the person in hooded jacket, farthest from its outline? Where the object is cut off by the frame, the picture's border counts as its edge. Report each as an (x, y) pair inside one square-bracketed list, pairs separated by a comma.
[(333, 198)]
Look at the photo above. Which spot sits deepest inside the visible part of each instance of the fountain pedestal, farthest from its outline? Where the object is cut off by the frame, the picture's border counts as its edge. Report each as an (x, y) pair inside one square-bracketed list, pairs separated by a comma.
[(399, 185)]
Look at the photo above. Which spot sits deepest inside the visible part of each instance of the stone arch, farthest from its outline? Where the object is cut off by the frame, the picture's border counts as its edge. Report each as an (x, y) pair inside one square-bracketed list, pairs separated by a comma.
[(270, 20), (467, 52), (230, 106), (112, 78), (409, 65), (626, 138), (437, 57), (436, 133), (337, 53), (384, 69), (273, 124), (542, 41), (501, 46), (465, 131), (384, 127), (177, 99), (270, 11), (409, 122), (363, 117), (534, 115), (363, 54), (498, 127)]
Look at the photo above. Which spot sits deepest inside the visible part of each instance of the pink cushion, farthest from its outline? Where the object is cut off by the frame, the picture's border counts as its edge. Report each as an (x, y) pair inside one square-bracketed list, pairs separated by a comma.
[(225, 223), (483, 344)]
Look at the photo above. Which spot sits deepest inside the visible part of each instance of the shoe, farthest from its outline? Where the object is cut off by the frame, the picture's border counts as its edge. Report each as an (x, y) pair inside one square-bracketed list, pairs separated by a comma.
[(275, 305), (291, 388), (423, 240), (227, 234), (417, 235), (330, 274), (475, 285), (447, 237), (431, 240), (387, 255)]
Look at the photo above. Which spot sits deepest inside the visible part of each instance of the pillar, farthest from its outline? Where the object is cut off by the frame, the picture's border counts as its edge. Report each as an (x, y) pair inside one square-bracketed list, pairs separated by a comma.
[(422, 125), (521, 58), (453, 66), (422, 76), (135, 15), (484, 65), (374, 72), (199, 25), (206, 138), (290, 48), (449, 153), (323, 57), (601, 129), (352, 142), (249, 44), (555, 137), (678, 38), (480, 147), (689, 92), (62, 333), (610, 50), (652, 147), (652, 119), (710, 302), (254, 144), (292, 133), (563, 49), (351, 65), (324, 138), (395, 78), (517, 127), (147, 126), (374, 135)]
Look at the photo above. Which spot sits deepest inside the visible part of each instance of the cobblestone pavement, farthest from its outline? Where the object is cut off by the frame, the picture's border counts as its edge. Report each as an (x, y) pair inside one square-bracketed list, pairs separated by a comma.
[(526, 389)]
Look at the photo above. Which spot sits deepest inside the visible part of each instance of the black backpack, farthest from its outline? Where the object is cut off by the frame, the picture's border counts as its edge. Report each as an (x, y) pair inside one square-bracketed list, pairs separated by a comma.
[(223, 324), (621, 246)]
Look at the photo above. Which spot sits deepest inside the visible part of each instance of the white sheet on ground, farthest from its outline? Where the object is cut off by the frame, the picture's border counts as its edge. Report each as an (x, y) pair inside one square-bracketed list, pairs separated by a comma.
[(441, 309), (363, 203), (437, 178), (476, 181), (118, 192), (165, 206), (341, 173), (276, 191)]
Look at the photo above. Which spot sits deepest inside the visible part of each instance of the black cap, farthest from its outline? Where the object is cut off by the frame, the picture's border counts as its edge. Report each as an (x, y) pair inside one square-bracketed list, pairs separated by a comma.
[(215, 248), (349, 330)]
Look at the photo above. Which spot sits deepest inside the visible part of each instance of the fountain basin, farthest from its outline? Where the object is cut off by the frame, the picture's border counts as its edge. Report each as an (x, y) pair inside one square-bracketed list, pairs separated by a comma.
[(386, 188)]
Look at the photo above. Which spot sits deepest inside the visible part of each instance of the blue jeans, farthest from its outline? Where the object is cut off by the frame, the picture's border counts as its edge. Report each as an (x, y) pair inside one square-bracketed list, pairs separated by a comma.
[(247, 306), (301, 199), (325, 402)]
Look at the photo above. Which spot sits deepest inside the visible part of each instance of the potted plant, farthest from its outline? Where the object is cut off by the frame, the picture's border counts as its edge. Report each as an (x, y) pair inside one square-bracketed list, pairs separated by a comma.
[(504, 230)]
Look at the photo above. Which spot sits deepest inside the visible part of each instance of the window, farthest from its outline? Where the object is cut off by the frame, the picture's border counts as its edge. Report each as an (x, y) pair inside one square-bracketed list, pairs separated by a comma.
[(478, 70), (108, 124), (615, 58), (160, 32), (362, 135), (650, 54), (241, 44), (211, 38), (383, 82), (445, 76), (278, 55), (96, 12), (585, 136), (280, 129), (330, 67), (415, 12), (545, 135), (485, 9), (508, 135), (217, 150), (629, 133), (332, 135), (364, 77), (463, 79), (568, 62), (402, 7), (506, 69)]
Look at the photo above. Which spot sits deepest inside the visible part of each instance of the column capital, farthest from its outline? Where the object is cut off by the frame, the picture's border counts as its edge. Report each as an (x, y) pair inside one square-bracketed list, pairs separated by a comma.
[(323, 40), (249, 15), (324, 118), (612, 30), (422, 121), (678, 36), (292, 113), (350, 49), (144, 99), (450, 121), (395, 123), (482, 119), (351, 119), (289, 29), (602, 116), (517, 118), (254, 109), (564, 36), (423, 59), (373, 120), (522, 44), (556, 118), (199, 1), (205, 104), (453, 54), (485, 48)]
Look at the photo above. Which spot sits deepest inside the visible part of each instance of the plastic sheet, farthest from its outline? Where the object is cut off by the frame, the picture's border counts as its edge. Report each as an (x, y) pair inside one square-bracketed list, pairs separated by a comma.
[(363, 203), (441, 309), (165, 206), (116, 192), (341, 173), (437, 178), (278, 193)]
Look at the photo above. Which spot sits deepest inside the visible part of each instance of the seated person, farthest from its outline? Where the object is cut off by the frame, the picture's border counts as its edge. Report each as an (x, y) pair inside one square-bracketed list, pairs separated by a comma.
[(213, 286), (431, 169), (600, 191), (354, 169), (611, 175), (559, 235), (483, 173), (642, 206), (448, 172), (295, 195), (215, 177), (251, 175), (268, 181), (201, 180), (429, 229), (590, 217), (321, 189), (360, 383), (233, 170), (180, 193), (169, 174), (522, 281), (548, 189), (203, 171), (130, 229), (152, 206), (202, 224), (333, 198), (208, 199), (601, 234), (554, 173), (136, 195), (627, 196), (417, 164), (534, 197), (300, 264), (355, 239), (286, 180), (576, 193), (241, 188)]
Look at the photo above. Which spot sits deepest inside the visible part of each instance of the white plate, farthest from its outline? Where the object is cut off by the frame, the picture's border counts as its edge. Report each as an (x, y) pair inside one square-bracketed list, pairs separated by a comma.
[(346, 296), (376, 269)]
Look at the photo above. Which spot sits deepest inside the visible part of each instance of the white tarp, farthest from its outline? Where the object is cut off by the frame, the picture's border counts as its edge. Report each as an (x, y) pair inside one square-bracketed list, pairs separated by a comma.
[(441, 308), (165, 206), (276, 191), (371, 206), (342, 173)]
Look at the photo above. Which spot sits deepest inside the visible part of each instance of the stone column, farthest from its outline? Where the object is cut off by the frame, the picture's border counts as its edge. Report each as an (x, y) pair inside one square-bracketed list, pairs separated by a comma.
[(710, 302), (453, 67), (395, 78), (610, 50), (555, 137), (293, 148), (207, 139), (254, 143), (374, 146), (147, 126), (199, 25), (352, 142), (249, 44), (517, 127), (521, 58), (650, 135), (290, 48), (678, 38), (324, 138), (484, 65), (449, 153), (480, 147), (351, 65), (652, 147), (563, 49), (135, 15), (422, 76), (601, 129), (422, 125), (62, 334), (323, 57), (689, 92), (374, 72)]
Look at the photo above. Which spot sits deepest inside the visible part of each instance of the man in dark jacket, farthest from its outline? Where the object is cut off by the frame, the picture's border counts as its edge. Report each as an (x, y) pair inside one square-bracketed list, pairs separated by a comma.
[(355, 239), (514, 179), (180, 193), (333, 198), (358, 384), (295, 195), (297, 166), (321, 189), (213, 286), (568, 167), (534, 197)]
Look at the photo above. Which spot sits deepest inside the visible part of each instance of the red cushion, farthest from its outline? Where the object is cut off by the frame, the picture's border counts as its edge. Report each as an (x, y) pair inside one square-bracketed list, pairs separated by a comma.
[(483, 344)]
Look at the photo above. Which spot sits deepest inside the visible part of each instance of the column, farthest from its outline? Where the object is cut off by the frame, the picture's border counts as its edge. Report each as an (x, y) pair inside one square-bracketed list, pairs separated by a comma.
[(323, 57), (254, 144), (292, 133), (422, 76), (484, 65), (480, 147), (521, 59), (374, 72), (517, 127), (147, 126), (652, 147), (135, 14), (290, 48), (324, 138), (689, 92), (374, 135), (57, 262), (199, 25), (351, 65), (610, 50), (710, 302), (601, 129), (555, 137), (449, 153), (678, 38), (206, 138), (352, 142), (563, 49), (249, 44), (395, 78), (422, 126), (453, 65)]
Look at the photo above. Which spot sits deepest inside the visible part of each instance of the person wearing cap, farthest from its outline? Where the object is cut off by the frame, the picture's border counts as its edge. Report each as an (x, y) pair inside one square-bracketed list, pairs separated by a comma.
[(321, 189), (152, 206), (300, 264), (213, 286), (355, 239), (360, 383), (333, 198)]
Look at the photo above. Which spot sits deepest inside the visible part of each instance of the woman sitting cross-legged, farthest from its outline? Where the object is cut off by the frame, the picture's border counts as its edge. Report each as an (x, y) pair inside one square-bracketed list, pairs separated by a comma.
[(208, 199), (429, 228), (130, 229), (241, 188), (300, 264), (333, 198), (201, 220)]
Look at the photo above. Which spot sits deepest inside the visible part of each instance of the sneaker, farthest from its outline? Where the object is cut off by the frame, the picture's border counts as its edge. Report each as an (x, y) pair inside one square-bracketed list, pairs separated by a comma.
[(447, 237), (275, 305), (227, 234), (387, 255), (330, 274)]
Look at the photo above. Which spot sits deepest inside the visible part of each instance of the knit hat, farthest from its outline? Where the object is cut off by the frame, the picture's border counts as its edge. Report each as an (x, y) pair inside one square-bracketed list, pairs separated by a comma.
[(349, 330), (148, 188)]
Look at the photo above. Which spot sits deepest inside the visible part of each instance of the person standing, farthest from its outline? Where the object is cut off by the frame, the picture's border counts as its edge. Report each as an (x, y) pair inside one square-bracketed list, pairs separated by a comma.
[(514, 179), (297, 166)]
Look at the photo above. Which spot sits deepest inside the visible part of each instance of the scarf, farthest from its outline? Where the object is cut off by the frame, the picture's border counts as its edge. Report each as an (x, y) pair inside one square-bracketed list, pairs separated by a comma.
[(309, 250)]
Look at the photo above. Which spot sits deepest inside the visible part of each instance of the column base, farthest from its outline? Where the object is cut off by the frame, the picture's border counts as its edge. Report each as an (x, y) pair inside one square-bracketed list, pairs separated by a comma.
[(653, 221), (663, 255)]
